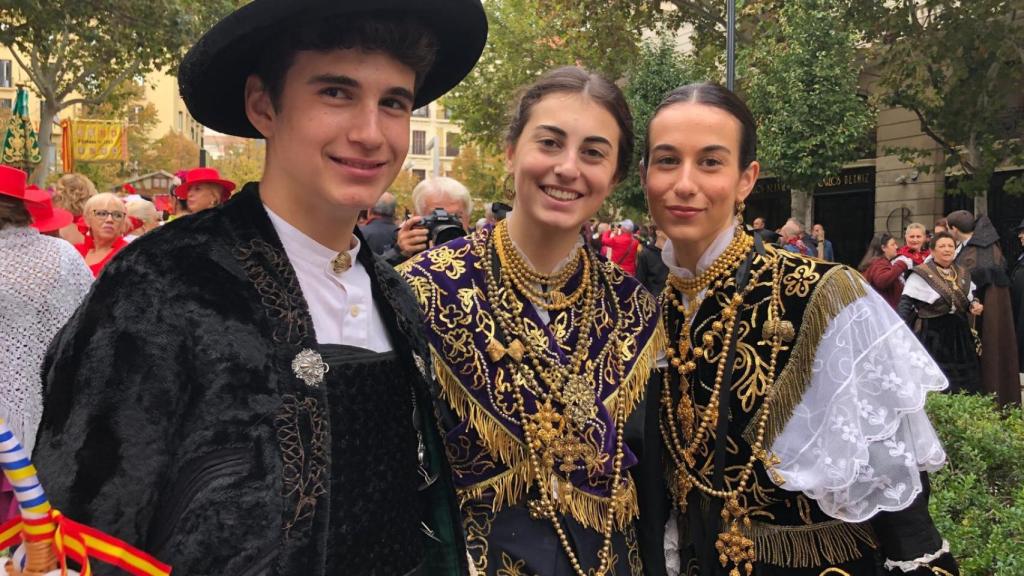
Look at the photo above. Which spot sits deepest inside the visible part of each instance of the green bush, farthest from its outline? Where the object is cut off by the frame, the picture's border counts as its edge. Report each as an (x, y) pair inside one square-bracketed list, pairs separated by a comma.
[(977, 499)]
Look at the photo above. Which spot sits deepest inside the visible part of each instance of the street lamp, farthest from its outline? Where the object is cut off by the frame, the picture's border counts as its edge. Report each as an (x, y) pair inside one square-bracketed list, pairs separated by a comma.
[(730, 44)]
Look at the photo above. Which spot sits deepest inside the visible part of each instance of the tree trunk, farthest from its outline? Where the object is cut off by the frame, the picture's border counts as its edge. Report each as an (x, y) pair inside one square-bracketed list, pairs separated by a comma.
[(47, 112), (802, 207)]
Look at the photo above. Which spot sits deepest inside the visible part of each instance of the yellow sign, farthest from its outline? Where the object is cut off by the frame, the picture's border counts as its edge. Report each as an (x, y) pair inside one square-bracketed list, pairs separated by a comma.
[(98, 141)]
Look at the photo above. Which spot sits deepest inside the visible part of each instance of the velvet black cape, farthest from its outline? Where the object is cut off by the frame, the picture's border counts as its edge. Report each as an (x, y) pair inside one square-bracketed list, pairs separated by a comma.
[(173, 419)]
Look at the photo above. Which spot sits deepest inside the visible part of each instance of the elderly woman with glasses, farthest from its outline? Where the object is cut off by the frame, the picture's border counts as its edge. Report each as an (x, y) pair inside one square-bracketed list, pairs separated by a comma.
[(105, 216)]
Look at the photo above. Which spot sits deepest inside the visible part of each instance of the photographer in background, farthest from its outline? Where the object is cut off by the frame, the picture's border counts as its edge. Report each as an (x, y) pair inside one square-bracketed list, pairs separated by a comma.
[(439, 202)]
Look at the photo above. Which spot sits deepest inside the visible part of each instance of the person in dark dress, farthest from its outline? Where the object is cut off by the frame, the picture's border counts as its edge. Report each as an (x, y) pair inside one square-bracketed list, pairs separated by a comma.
[(1017, 294), (248, 390), (978, 251), (544, 351), (650, 270), (938, 304), (791, 396)]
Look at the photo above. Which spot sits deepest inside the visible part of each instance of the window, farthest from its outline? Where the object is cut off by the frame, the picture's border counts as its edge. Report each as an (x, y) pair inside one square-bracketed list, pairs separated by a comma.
[(181, 121), (451, 140), (6, 104), (423, 112), (5, 74), (419, 142), (420, 175)]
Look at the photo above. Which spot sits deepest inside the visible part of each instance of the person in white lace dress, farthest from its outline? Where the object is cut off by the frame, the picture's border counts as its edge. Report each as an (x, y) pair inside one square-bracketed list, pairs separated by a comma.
[(42, 281), (792, 406)]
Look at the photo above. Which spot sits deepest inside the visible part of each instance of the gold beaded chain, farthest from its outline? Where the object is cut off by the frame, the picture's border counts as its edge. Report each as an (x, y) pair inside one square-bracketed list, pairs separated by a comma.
[(524, 277), (733, 546), (545, 432), (737, 249)]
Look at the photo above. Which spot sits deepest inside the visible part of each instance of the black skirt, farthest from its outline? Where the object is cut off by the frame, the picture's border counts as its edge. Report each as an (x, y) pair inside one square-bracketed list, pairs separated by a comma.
[(948, 339)]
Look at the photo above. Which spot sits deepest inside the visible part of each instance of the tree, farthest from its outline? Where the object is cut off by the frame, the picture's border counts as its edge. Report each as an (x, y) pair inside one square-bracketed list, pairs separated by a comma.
[(529, 37), (959, 67), (77, 52), (402, 190), (659, 69), (126, 103), (483, 174), (801, 82), (171, 153), (243, 162)]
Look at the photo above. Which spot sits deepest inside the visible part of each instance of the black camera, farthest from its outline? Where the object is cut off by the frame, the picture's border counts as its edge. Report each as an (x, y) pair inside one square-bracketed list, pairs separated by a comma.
[(442, 226)]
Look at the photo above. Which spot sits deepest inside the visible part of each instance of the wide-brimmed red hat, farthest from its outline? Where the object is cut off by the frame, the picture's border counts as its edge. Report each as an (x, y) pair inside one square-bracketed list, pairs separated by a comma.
[(45, 216), (12, 182), (203, 176)]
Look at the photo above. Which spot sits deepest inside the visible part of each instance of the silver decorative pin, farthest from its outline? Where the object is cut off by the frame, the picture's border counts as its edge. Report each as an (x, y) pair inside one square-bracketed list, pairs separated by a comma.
[(310, 367), (421, 365)]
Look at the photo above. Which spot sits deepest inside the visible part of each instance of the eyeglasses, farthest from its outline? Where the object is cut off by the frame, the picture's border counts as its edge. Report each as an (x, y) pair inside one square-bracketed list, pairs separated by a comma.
[(104, 214)]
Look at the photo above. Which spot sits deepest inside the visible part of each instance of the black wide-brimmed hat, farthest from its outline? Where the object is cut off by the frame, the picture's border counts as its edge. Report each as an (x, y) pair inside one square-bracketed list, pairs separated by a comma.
[(1018, 228), (212, 76)]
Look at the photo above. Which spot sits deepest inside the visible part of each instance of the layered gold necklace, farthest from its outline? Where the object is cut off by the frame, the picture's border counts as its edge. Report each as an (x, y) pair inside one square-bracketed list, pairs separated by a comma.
[(552, 435), (686, 429)]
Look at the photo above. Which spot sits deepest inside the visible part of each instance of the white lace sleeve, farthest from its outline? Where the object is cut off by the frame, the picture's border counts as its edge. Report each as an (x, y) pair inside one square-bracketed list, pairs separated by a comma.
[(859, 436)]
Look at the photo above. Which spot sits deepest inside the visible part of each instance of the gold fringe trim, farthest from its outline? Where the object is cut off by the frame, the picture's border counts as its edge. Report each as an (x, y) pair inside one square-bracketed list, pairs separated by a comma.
[(497, 439), (635, 384), (510, 486), (838, 288), (826, 543), (589, 510)]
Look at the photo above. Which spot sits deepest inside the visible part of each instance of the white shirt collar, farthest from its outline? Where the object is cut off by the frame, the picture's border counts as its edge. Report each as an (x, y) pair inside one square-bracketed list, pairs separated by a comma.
[(668, 255), (300, 246)]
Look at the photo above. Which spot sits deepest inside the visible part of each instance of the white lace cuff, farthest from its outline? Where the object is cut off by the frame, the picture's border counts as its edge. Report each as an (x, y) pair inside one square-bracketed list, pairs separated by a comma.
[(911, 565), (859, 437)]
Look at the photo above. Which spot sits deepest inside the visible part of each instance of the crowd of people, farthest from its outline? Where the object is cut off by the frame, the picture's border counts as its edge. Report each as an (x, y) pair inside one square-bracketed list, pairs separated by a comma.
[(291, 379)]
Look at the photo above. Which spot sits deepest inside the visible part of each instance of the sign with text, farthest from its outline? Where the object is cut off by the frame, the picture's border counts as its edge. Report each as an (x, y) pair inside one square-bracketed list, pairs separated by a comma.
[(98, 141)]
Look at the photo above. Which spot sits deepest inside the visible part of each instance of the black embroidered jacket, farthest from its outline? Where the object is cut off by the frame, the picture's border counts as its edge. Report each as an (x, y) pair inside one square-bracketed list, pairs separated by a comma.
[(175, 420)]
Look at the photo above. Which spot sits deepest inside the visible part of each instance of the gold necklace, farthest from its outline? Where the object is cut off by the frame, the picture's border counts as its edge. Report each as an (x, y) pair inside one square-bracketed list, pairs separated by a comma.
[(736, 250), (733, 546), (524, 277), (548, 434)]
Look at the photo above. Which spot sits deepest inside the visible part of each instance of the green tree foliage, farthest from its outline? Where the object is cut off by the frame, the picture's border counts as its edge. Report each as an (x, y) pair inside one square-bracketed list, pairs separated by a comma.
[(959, 66), (529, 37), (242, 163), (171, 153), (78, 52), (800, 79), (659, 69), (483, 174), (126, 103), (977, 499)]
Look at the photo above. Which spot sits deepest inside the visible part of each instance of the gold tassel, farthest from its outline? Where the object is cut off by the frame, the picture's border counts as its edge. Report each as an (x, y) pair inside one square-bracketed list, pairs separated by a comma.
[(497, 439), (634, 386), (510, 486), (838, 288), (825, 543)]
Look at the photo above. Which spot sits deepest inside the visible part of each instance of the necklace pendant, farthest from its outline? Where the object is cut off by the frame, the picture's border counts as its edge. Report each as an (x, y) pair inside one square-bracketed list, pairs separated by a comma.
[(580, 399), (341, 263), (556, 298)]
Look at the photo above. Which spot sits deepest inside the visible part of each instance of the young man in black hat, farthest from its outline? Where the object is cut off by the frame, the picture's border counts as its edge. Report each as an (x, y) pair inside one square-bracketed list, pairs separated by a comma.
[(246, 390)]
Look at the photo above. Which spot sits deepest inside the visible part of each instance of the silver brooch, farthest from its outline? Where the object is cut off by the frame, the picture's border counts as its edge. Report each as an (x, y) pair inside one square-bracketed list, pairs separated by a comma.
[(309, 367), (421, 365)]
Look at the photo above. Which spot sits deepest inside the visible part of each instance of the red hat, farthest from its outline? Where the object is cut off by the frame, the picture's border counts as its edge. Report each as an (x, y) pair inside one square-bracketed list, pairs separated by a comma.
[(12, 182), (203, 175), (45, 216), (129, 189)]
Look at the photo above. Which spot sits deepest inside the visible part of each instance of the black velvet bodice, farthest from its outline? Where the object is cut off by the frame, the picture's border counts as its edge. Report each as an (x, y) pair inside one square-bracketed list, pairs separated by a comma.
[(374, 510)]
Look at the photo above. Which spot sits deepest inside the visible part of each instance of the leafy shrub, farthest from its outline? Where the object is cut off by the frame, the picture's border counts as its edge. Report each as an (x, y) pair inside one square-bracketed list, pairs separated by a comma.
[(977, 499)]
